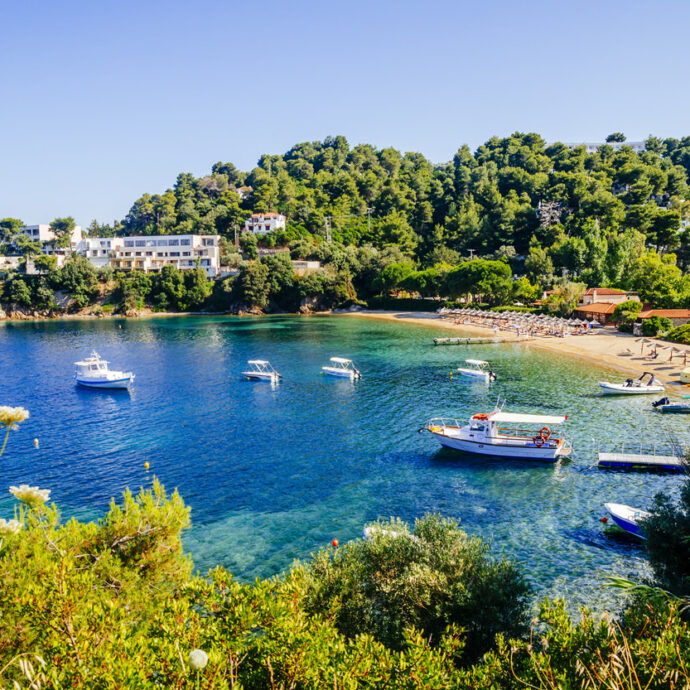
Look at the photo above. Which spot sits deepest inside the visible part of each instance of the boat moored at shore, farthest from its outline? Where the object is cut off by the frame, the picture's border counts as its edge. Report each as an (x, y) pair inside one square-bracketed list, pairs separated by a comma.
[(632, 387), (261, 370), (486, 434), (342, 367), (93, 372)]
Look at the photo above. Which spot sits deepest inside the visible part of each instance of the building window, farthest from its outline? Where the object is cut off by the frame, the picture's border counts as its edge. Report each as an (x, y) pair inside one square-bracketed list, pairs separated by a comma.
[(162, 243), (129, 243), (140, 243), (186, 253), (185, 243), (174, 253), (174, 243)]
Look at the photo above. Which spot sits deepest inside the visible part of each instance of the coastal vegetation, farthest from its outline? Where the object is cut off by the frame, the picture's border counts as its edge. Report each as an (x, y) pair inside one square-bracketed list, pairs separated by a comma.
[(540, 216), (115, 603)]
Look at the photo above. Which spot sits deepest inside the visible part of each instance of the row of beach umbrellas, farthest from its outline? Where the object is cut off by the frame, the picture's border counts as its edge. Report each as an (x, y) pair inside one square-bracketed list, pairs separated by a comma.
[(518, 318)]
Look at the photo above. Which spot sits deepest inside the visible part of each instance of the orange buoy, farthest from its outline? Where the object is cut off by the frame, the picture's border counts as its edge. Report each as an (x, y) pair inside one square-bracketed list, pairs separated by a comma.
[(335, 543)]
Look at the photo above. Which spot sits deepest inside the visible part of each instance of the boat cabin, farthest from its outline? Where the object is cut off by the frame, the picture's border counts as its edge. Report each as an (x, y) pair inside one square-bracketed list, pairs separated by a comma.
[(501, 426), (91, 366), (478, 364)]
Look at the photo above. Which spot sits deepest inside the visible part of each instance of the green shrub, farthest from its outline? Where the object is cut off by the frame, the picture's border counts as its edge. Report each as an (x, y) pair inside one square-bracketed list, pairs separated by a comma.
[(627, 311), (655, 324), (403, 304), (668, 540), (680, 334), (429, 578)]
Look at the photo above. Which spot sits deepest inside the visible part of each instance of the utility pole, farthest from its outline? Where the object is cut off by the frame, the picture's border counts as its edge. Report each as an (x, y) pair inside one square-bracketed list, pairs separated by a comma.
[(327, 221), (471, 251), (237, 239)]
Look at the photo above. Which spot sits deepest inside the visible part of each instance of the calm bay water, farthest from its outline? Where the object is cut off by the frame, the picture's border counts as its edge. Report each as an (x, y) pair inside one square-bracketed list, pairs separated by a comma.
[(273, 473)]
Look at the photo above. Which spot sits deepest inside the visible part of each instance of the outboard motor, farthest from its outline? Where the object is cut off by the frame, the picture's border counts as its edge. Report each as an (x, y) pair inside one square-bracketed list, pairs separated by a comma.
[(628, 382), (661, 401), (492, 376)]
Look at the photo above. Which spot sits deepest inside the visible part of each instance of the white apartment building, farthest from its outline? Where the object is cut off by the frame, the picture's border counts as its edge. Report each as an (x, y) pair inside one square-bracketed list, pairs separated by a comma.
[(152, 252), (263, 223), (636, 146), (43, 234)]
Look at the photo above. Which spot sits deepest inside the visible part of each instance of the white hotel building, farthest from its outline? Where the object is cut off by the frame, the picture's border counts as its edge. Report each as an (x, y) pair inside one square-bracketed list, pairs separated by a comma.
[(152, 252), (263, 223)]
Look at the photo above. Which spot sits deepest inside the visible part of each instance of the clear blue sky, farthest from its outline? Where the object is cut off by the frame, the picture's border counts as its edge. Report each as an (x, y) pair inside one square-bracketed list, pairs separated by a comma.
[(103, 101)]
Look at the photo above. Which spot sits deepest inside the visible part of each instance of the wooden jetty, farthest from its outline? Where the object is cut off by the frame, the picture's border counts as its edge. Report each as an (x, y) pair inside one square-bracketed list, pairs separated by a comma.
[(465, 341), (640, 461)]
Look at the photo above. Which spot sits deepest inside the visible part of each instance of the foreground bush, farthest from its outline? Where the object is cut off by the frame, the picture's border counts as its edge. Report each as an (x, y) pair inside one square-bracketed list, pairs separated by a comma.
[(428, 579), (668, 540), (113, 605)]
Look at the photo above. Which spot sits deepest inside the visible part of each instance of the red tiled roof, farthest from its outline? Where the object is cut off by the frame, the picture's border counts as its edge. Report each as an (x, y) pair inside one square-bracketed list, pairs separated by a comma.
[(604, 291), (265, 215), (597, 308), (668, 313)]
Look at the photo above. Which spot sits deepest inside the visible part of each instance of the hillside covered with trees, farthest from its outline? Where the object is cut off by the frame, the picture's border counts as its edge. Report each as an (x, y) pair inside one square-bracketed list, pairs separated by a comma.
[(548, 213)]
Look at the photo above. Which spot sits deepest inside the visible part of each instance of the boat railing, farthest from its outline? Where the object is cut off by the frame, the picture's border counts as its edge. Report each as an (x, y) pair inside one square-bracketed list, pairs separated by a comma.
[(443, 421)]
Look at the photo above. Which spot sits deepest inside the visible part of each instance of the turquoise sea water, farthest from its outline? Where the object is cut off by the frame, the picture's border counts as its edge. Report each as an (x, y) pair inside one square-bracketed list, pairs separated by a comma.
[(274, 473)]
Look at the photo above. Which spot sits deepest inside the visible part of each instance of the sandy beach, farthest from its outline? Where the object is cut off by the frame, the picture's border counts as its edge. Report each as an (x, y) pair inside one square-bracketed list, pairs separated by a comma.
[(603, 346)]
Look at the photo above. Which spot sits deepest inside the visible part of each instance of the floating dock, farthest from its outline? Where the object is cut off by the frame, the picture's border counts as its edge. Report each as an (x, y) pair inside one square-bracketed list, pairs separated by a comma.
[(641, 461), (465, 341)]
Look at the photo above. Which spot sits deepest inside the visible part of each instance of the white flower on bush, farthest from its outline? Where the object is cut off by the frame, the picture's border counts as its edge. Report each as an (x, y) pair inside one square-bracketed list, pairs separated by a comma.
[(30, 494), (9, 527), (11, 416), (198, 659)]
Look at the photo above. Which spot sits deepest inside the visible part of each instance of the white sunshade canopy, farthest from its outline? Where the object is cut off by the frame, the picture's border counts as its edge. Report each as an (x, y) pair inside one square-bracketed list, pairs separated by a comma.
[(526, 418), (341, 360), (477, 362), (260, 362)]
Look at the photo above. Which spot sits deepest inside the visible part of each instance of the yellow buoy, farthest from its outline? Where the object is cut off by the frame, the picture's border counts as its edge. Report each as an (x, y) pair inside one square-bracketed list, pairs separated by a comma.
[(146, 465), (36, 442)]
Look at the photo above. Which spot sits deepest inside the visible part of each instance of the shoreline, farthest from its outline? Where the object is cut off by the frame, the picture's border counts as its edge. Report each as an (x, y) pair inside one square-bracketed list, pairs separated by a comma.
[(604, 346)]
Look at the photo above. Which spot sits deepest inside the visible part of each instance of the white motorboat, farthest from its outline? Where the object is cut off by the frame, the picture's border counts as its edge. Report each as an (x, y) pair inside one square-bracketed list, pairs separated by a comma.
[(93, 372), (261, 370), (487, 434), (632, 386), (477, 369), (627, 517), (343, 368)]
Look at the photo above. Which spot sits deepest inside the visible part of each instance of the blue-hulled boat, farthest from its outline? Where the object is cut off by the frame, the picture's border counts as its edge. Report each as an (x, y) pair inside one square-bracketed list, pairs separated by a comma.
[(627, 517), (665, 406)]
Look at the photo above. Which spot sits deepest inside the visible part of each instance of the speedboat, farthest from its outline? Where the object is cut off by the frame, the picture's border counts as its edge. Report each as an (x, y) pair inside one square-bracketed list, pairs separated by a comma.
[(487, 434), (667, 407), (342, 367), (477, 369), (627, 518), (93, 372), (261, 370), (632, 387)]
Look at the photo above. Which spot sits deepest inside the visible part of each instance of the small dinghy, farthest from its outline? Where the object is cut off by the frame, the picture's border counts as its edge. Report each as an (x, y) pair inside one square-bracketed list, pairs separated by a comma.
[(477, 369), (632, 387), (93, 372), (627, 518), (261, 370), (665, 406), (343, 368)]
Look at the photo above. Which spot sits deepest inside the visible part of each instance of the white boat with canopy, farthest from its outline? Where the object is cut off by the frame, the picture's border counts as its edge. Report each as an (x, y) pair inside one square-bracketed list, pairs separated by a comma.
[(261, 370), (502, 434), (342, 367), (93, 372), (633, 387), (477, 369)]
